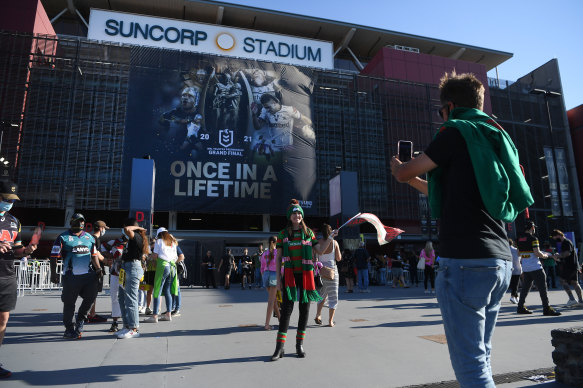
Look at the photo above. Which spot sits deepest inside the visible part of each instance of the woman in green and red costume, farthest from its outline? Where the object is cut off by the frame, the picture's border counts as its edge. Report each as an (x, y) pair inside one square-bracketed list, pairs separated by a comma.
[(294, 246)]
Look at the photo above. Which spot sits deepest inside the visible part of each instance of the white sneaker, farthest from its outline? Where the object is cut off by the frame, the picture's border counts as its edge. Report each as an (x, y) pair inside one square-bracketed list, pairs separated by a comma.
[(122, 332), (166, 317), (130, 334), (513, 300), (433, 291), (571, 302), (142, 310), (151, 319)]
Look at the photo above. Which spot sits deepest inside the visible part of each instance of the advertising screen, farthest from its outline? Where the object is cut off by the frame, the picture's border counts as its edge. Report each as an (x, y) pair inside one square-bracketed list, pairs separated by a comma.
[(226, 135)]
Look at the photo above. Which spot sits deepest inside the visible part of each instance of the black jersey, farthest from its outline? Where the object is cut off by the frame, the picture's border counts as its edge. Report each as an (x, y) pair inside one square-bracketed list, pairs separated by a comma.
[(9, 232)]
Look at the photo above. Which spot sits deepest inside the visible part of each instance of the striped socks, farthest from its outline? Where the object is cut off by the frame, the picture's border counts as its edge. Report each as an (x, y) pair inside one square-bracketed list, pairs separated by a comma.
[(281, 337), (300, 336)]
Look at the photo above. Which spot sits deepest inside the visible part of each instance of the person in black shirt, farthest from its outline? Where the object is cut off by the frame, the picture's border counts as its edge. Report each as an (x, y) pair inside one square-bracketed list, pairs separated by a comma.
[(10, 248), (246, 269), (475, 261), (568, 267), (208, 266), (229, 263), (361, 259)]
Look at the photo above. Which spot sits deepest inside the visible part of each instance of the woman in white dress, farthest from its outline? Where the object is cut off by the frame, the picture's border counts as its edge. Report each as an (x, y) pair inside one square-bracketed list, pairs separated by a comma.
[(329, 290)]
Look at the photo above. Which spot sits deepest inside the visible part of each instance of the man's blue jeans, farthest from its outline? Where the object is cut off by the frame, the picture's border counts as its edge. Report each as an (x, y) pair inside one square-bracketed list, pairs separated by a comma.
[(258, 278), (363, 279), (128, 297), (469, 292)]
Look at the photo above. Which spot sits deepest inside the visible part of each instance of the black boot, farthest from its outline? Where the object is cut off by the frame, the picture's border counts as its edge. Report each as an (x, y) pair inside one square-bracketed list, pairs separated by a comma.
[(278, 352), (300, 349)]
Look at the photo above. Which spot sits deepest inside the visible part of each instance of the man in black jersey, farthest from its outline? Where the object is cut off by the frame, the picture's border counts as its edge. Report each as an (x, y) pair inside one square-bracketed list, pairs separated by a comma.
[(568, 267), (474, 186), (10, 249)]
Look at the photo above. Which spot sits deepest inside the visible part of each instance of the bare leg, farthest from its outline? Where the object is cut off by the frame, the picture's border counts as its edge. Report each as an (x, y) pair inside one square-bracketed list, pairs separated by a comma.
[(227, 281), (331, 313), (271, 291), (4, 315), (149, 296), (319, 309), (577, 288)]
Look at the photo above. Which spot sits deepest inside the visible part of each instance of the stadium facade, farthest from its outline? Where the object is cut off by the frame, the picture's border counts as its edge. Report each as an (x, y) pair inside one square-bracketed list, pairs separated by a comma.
[(89, 85)]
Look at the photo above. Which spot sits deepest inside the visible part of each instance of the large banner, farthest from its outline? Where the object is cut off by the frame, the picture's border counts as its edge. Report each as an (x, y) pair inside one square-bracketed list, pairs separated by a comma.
[(227, 135)]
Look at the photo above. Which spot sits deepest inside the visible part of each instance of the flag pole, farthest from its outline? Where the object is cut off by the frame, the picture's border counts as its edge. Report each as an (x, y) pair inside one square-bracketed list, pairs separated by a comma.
[(346, 223)]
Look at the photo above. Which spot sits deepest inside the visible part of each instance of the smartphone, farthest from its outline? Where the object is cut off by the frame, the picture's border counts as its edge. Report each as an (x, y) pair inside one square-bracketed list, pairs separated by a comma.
[(36, 235), (405, 150)]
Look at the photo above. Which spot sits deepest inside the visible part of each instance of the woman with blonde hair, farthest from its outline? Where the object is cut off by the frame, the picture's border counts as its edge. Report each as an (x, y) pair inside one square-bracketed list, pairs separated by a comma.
[(329, 290), (165, 280), (428, 255), (268, 271)]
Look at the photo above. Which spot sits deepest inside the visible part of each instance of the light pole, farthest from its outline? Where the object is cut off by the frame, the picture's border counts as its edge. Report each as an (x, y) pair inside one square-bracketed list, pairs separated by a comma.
[(550, 94)]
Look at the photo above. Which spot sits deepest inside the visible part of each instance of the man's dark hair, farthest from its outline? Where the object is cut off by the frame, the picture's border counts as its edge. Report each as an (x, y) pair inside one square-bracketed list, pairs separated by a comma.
[(557, 232), (130, 222), (266, 97), (464, 90)]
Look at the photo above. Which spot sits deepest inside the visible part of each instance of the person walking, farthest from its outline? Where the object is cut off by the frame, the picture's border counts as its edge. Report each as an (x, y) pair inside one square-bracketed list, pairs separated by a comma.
[(516, 272), (550, 266), (166, 280), (329, 290), (228, 263), (245, 263), (10, 249), (295, 246), (269, 272), (257, 274), (131, 272), (361, 260), (474, 187), (427, 256), (347, 270), (532, 270), (568, 268), (81, 269)]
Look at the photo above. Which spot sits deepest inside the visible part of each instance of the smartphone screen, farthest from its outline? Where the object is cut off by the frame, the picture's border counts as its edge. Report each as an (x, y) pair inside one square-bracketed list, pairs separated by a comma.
[(405, 150), (36, 235)]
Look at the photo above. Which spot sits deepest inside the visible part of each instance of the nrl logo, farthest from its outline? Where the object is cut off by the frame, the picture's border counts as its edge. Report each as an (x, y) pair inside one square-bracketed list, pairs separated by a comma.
[(226, 137)]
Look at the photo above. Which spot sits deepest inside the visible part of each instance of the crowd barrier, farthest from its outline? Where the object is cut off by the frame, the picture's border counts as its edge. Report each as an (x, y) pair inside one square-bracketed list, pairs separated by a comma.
[(35, 275)]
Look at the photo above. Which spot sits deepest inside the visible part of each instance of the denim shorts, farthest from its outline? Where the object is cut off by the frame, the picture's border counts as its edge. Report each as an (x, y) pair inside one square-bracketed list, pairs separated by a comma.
[(269, 279)]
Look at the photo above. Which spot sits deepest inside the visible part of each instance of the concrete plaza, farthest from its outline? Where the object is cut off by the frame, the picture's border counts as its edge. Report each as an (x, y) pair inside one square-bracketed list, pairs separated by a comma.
[(386, 338)]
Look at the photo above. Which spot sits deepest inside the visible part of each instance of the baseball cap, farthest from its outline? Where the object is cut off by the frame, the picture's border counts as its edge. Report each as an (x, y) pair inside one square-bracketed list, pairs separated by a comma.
[(77, 216), (529, 224), (160, 230), (8, 189), (100, 224)]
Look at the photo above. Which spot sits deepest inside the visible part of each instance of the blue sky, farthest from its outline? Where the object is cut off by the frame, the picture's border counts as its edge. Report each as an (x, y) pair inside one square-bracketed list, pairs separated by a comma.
[(535, 31)]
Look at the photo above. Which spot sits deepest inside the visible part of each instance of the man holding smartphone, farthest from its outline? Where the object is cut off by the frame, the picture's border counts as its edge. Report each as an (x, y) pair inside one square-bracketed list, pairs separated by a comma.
[(474, 186), (10, 249)]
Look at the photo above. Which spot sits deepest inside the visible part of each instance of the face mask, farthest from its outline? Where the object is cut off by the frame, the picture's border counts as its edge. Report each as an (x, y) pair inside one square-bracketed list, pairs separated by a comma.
[(5, 206), (77, 226), (103, 232)]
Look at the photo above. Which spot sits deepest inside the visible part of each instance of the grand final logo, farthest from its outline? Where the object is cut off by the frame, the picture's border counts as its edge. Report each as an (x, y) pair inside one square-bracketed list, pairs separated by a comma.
[(225, 41), (226, 137)]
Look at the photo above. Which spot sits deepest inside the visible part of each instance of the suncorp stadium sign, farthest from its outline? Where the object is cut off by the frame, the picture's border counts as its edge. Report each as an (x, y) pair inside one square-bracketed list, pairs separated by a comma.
[(205, 38)]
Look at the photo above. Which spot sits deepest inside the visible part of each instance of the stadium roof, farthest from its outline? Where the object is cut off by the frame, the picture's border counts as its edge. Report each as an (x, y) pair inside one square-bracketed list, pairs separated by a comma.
[(363, 41)]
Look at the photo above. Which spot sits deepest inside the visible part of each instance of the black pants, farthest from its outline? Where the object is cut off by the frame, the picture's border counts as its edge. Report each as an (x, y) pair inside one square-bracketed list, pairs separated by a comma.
[(209, 277), (287, 307), (513, 287), (539, 279), (429, 275), (74, 286), (413, 274), (551, 274)]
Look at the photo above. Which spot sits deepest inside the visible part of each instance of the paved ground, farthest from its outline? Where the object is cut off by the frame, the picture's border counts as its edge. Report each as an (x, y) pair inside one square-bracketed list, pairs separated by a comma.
[(388, 338)]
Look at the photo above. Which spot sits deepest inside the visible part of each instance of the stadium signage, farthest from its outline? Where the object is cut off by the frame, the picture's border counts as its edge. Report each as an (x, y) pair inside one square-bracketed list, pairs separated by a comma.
[(164, 33)]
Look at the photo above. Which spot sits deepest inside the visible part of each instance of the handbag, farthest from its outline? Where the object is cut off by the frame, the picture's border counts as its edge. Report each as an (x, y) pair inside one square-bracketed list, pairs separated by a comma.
[(318, 281), (327, 273)]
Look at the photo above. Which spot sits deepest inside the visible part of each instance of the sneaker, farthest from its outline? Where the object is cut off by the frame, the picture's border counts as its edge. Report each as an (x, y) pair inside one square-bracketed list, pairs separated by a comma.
[(513, 300), (166, 317), (433, 291), (79, 327), (151, 319), (113, 328), (4, 373), (367, 291), (122, 332), (549, 311), (148, 311), (130, 334), (176, 313), (571, 302), (427, 292), (523, 310), (71, 335), (142, 310)]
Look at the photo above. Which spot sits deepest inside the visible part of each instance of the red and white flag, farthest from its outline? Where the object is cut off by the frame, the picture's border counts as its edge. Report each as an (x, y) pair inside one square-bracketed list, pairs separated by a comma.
[(385, 234)]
